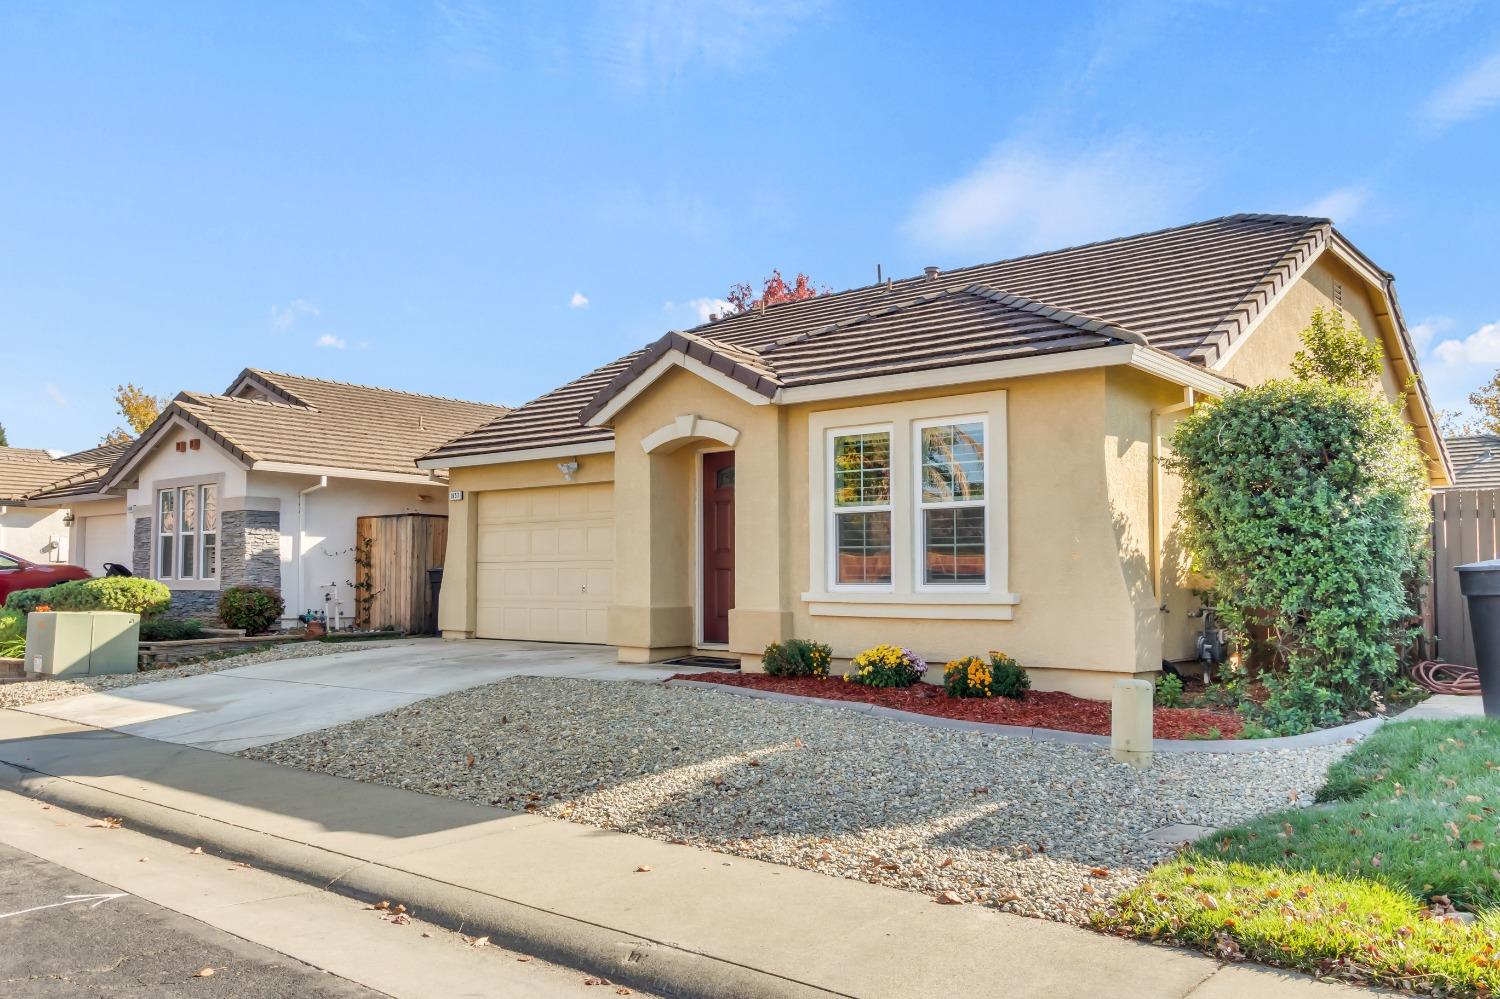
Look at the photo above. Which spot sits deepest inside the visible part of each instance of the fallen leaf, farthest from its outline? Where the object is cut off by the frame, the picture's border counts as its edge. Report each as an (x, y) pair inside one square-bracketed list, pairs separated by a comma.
[(400, 919), (622, 991), (108, 822), (1099, 872), (144, 860), (196, 849), (479, 942), (426, 934), (204, 973), (949, 898), (947, 862), (1207, 901), (643, 869), (398, 908), (382, 904), (755, 763), (797, 742), (523, 958)]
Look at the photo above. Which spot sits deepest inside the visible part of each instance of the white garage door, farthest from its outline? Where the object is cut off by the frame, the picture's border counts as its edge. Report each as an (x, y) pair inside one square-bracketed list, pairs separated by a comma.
[(545, 563), (103, 541)]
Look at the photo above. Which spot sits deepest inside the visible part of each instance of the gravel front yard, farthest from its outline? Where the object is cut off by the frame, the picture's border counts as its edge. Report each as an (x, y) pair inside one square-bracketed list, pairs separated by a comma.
[(1044, 829), (15, 695)]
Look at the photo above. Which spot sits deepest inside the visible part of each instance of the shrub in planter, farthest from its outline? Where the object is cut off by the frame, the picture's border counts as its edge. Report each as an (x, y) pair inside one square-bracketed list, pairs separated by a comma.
[(254, 608), (886, 666), (171, 631), (12, 634), (129, 594), (968, 677), (25, 601), (797, 657)]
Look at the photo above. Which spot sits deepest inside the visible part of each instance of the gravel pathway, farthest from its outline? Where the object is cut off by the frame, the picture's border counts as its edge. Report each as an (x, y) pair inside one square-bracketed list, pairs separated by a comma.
[(15, 695), (1044, 829)]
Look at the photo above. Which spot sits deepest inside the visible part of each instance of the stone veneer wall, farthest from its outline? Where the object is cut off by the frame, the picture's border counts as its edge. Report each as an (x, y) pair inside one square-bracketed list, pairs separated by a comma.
[(249, 555), (140, 552), (250, 548)]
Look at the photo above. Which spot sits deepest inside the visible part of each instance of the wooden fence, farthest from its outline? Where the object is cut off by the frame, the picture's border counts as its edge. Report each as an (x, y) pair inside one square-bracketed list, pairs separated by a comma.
[(1463, 530), (390, 570)]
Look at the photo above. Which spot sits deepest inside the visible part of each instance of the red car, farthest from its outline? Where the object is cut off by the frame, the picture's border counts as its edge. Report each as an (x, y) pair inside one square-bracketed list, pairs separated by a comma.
[(18, 574)]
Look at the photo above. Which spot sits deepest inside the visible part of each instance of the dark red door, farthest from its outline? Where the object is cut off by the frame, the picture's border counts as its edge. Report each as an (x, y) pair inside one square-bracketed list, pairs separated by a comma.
[(718, 545)]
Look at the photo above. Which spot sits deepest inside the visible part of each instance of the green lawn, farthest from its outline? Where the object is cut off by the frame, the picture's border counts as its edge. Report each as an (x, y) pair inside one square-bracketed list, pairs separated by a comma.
[(1341, 888)]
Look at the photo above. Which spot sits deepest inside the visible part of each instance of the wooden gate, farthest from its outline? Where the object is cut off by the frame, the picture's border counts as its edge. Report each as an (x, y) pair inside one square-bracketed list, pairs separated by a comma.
[(391, 559), (1463, 530)]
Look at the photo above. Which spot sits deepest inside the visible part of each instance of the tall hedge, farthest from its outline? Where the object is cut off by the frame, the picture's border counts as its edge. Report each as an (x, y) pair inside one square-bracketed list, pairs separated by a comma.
[(145, 597), (1305, 503)]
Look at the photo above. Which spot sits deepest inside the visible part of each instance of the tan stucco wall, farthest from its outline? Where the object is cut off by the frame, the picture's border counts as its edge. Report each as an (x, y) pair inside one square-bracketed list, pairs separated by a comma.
[(456, 604)]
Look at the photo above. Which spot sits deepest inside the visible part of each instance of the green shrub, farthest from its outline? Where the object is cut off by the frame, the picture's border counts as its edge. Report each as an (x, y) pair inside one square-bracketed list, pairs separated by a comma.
[(1168, 690), (254, 608), (1305, 503), (130, 594), (25, 601), (12, 623), (886, 666), (797, 657), (1010, 678), (171, 631)]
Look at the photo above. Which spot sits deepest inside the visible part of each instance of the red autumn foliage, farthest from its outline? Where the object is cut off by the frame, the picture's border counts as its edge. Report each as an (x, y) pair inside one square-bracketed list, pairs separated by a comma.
[(742, 297), (1039, 709)]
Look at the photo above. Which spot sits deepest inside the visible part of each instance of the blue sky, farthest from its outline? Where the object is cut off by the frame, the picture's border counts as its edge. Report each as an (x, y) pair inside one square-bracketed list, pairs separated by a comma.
[(369, 191)]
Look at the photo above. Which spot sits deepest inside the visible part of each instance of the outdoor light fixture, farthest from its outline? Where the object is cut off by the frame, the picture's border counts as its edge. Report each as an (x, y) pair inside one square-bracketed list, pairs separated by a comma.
[(567, 468)]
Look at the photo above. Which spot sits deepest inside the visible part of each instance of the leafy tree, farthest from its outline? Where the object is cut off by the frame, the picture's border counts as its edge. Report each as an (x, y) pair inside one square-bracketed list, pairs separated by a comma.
[(4, 441), (1304, 501), (1486, 403), (1336, 351), (774, 290), (139, 408)]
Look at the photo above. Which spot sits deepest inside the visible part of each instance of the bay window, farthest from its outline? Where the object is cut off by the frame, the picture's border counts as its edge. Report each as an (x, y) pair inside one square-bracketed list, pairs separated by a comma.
[(187, 533)]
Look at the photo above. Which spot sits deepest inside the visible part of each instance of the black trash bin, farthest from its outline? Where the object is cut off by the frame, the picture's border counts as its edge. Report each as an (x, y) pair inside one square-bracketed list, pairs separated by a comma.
[(1480, 583), (435, 587)]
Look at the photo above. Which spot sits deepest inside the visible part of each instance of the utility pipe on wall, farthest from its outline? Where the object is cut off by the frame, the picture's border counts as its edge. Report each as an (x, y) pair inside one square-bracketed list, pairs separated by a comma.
[(322, 483)]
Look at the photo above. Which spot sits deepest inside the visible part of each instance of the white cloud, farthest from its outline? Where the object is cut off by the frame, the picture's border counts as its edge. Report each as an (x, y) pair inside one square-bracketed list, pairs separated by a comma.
[(695, 311), (55, 394), (1468, 96), (1023, 197), (1424, 332), (1480, 347), (329, 340), (647, 42), (578, 301), (285, 317), (1341, 204)]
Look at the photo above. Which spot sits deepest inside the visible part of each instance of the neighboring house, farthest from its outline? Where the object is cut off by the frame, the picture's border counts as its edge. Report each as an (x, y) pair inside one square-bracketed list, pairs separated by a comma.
[(263, 485), (39, 532), (95, 522), (1476, 461), (956, 462)]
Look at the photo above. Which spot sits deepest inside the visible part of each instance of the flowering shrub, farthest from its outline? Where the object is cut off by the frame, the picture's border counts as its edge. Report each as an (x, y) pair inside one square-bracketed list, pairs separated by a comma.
[(1008, 678), (797, 657), (886, 666), (967, 677)]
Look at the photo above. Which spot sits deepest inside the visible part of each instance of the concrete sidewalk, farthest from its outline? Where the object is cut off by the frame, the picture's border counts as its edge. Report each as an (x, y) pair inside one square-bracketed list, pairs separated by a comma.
[(234, 709), (694, 924)]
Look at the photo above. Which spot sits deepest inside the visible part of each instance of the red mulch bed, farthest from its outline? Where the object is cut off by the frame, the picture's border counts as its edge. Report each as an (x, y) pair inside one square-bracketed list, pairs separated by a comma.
[(1039, 709)]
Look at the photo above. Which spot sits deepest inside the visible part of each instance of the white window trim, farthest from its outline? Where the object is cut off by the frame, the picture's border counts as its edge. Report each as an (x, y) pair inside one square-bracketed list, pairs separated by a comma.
[(919, 523), (904, 597), (830, 527)]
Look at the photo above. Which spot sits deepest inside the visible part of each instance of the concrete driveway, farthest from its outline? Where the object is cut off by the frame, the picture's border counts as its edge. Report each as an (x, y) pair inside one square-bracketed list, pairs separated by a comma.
[(235, 709)]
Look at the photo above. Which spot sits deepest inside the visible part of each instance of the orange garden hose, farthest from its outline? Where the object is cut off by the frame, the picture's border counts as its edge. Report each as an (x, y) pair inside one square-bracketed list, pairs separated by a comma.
[(1446, 678)]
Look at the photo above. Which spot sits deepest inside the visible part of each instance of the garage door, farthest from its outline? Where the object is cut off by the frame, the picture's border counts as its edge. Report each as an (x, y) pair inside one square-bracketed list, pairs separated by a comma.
[(103, 541), (545, 563)]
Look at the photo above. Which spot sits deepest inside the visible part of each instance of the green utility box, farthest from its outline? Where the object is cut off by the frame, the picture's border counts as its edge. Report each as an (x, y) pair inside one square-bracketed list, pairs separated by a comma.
[(68, 643)]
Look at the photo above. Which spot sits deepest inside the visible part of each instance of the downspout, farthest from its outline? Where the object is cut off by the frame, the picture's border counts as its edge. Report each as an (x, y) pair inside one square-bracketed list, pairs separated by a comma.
[(322, 483), (1158, 528)]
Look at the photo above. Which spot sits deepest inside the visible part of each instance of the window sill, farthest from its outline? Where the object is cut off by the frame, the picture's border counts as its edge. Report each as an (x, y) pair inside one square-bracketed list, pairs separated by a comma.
[(931, 606)]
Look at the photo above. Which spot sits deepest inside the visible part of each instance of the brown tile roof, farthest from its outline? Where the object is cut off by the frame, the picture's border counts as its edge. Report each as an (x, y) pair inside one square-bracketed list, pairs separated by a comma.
[(1189, 290), (23, 469), (1476, 461), (267, 416), (80, 474)]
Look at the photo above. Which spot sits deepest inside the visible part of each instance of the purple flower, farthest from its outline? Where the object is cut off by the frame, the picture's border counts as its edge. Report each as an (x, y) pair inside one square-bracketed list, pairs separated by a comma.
[(917, 664)]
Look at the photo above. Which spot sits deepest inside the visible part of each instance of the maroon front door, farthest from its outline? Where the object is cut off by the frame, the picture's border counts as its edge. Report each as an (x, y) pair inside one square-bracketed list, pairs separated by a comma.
[(718, 545)]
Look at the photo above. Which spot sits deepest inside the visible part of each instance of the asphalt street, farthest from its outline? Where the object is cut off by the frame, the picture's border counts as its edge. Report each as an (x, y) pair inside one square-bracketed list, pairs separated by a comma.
[(121, 946)]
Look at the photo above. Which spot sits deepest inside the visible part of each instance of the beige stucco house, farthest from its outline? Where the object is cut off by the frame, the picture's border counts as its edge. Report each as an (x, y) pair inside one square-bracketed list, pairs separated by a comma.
[(955, 462)]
